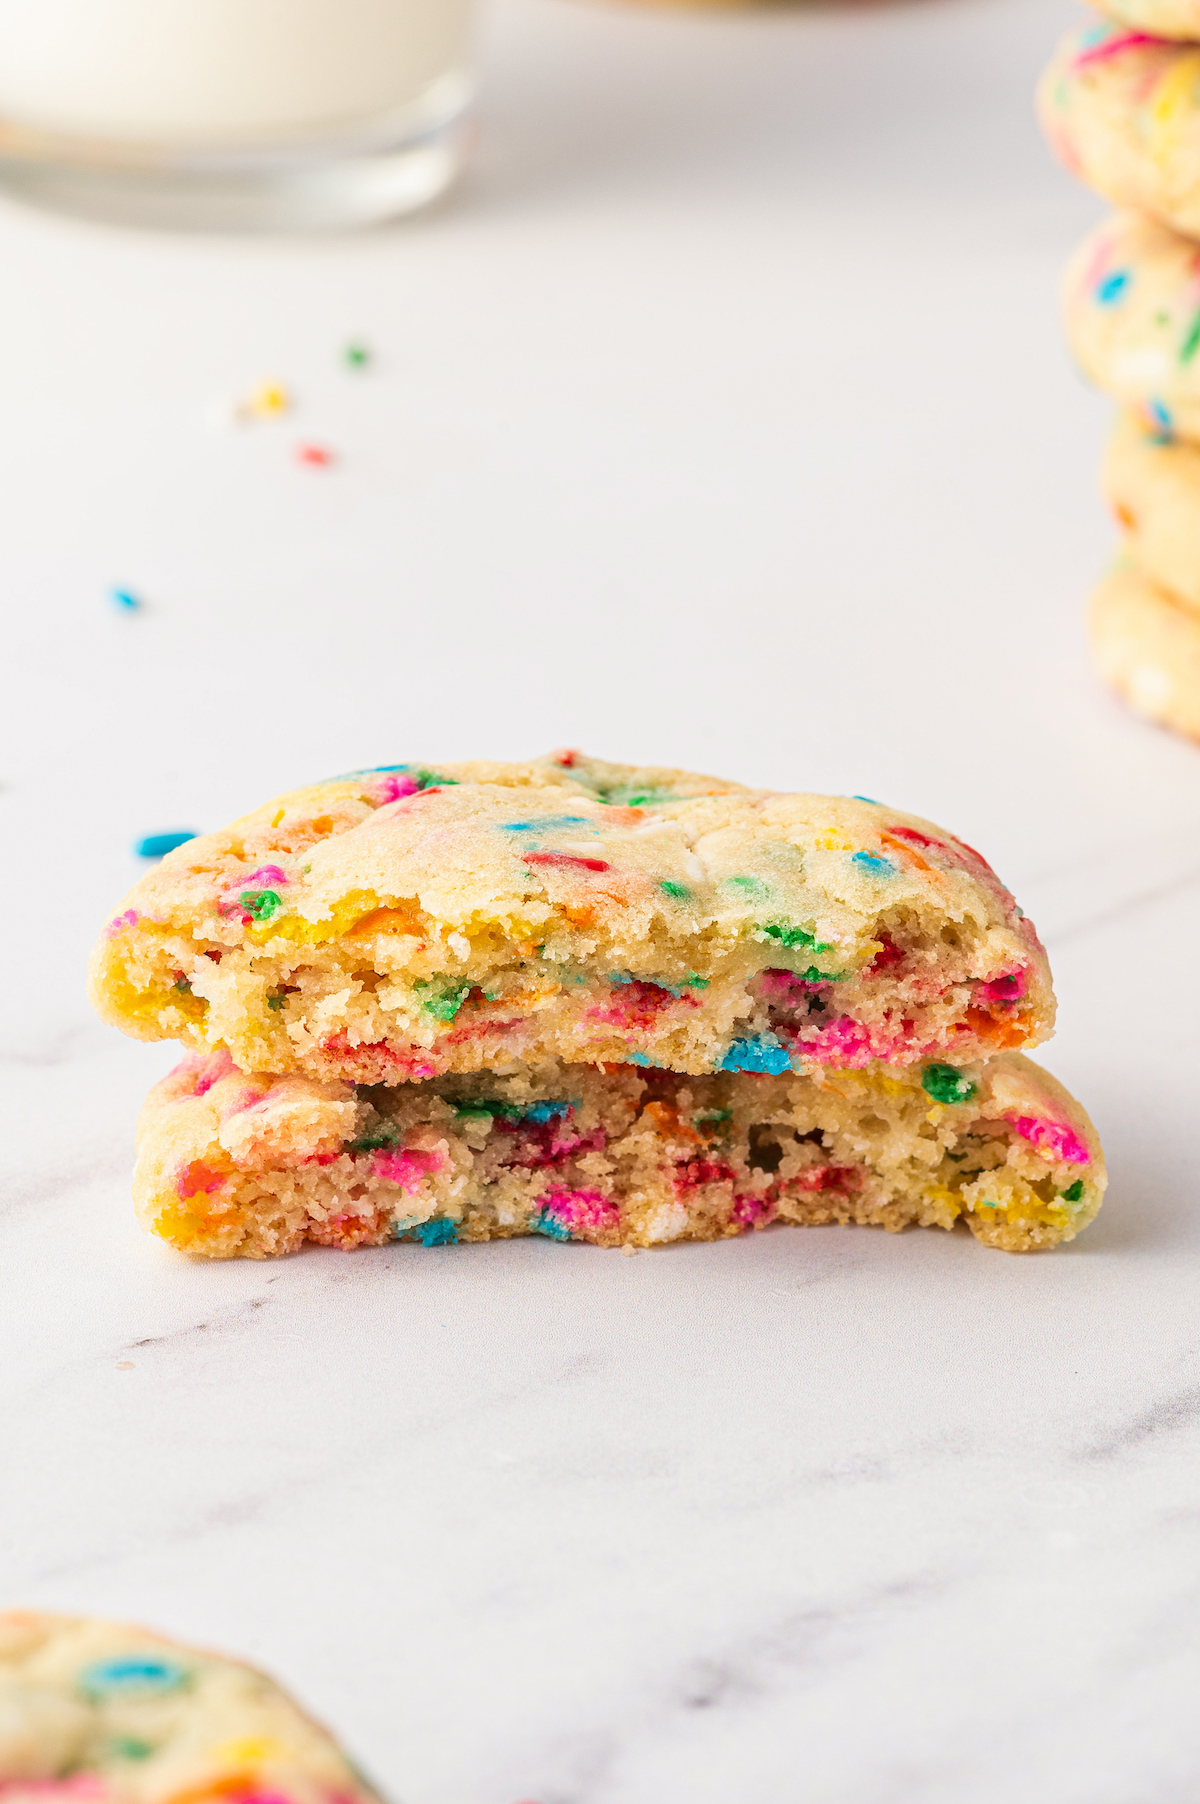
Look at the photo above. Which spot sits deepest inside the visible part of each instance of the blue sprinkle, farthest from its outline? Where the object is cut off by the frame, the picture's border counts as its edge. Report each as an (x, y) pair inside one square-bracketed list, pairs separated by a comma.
[(157, 845), (1160, 415), (148, 1673), (1113, 287), (550, 1226), (437, 1233), (546, 823), (639, 1058), (546, 1111), (870, 799), (882, 867), (764, 1055), (124, 598)]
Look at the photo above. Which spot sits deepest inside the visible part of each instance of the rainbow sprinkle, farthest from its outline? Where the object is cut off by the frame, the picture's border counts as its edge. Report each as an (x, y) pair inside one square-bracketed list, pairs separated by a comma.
[(157, 845)]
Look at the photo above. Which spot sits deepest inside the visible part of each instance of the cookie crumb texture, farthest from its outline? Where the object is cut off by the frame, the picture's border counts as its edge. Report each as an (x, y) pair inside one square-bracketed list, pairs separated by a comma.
[(100, 1713), (232, 1164), (400, 924)]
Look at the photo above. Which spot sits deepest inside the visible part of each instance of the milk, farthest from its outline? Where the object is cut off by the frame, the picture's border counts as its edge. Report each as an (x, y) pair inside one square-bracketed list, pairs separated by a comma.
[(214, 74)]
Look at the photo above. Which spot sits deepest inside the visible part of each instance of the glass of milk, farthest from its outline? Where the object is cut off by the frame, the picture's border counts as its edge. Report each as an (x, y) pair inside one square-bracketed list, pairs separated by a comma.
[(234, 113)]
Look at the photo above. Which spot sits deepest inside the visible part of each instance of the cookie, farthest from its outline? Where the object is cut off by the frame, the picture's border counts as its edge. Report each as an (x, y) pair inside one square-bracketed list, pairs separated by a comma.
[(1132, 304), (1160, 18), (1147, 644), (99, 1713), (1154, 491), (401, 924), (234, 1164), (1123, 111)]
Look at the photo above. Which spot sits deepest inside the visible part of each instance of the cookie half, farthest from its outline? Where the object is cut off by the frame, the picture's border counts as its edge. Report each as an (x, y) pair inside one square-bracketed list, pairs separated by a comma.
[(396, 925), (236, 1164), (1154, 491), (1147, 644), (1123, 111), (1131, 300), (100, 1713)]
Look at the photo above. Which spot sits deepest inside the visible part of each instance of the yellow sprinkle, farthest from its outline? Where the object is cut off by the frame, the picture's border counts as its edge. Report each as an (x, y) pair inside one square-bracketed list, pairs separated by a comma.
[(1174, 95), (268, 400), (250, 1748)]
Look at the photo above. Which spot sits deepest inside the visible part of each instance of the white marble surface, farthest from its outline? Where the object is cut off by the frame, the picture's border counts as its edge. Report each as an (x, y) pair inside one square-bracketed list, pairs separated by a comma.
[(722, 420)]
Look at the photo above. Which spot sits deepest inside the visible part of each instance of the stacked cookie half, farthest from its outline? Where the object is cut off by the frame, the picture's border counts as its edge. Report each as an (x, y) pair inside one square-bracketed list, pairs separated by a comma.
[(1121, 103), (590, 1002)]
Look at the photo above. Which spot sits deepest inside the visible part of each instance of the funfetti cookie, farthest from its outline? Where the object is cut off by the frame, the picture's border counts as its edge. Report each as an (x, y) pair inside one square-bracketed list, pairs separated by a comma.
[(100, 1713), (1131, 299), (401, 924), (1147, 644), (1160, 18), (235, 1164), (1123, 111), (1154, 491)]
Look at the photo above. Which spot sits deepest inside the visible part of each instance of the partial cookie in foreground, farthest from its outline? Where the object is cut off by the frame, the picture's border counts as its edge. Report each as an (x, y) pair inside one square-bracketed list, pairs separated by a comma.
[(400, 924), (101, 1713), (233, 1164), (1123, 111), (1154, 491), (1147, 644), (1131, 300)]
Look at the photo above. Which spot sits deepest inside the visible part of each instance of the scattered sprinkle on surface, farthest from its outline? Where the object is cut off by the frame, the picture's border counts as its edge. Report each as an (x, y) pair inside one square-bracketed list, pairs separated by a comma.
[(318, 456), (125, 599), (356, 355), (157, 845)]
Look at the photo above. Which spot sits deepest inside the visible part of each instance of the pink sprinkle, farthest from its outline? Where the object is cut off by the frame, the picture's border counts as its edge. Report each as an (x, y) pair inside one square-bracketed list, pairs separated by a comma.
[(1009, 987), (1123, 40), (583, 1211), (753, 1211), (129, 919), (394, 789), (268, 876), (843, 1042), (1052, 1137), (248, 1099), (218, 1065), (785, 987), (319, 456), (407, 1167)]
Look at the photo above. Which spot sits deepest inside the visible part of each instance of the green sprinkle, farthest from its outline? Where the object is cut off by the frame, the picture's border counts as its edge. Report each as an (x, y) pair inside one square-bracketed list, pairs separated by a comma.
[(679, 891), (261, 903), (945, 1084), (356, 355), (1074, 1193), (715, 1115), (181, 983), (1192, 342), (127, 1747), (986, 1202), (694, 981), (377, 1140), (794, 936), (275, 1000), (444, 997), (753, 886)]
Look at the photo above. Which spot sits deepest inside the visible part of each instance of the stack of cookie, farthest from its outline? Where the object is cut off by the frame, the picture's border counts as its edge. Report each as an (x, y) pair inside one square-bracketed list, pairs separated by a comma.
[(591, 1002), (1121, 103)]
